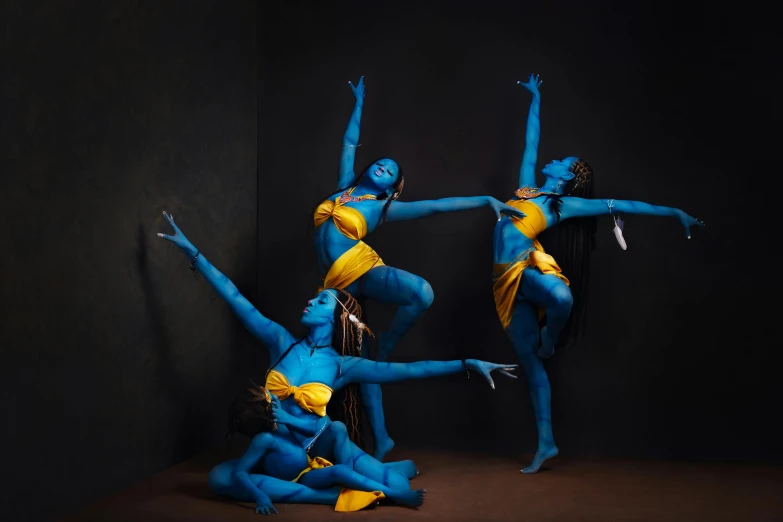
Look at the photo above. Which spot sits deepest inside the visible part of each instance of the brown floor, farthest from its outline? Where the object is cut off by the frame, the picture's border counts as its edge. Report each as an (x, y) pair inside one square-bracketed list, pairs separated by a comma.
[(471, 487)]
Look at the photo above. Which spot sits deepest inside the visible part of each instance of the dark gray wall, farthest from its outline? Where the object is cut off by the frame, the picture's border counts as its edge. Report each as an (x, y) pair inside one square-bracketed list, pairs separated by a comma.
[(116, 361), (678, 356)]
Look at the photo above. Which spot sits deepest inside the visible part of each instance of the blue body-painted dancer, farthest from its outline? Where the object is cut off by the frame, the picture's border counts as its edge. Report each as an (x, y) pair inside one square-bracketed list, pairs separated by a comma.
[(306, 371), (360, 204), (528, 283)]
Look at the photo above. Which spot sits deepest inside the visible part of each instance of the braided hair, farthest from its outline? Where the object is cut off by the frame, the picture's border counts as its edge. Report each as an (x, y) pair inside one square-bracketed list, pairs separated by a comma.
[(574, 241), (347, 339)]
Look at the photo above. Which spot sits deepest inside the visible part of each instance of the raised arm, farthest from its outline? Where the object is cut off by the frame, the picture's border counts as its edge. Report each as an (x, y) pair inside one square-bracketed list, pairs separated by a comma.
[(578, 207), (351, 137), (275, 337), (527, 171), (357, 369), (405, 211)]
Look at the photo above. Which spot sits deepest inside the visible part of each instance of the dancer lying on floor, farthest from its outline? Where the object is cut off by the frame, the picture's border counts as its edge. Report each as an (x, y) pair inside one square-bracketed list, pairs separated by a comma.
[(275, 467), (529, 286)]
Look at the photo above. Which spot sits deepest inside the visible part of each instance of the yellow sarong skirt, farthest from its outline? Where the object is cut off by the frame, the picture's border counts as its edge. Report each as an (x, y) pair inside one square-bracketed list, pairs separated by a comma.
[(507, 278), (353, 264)]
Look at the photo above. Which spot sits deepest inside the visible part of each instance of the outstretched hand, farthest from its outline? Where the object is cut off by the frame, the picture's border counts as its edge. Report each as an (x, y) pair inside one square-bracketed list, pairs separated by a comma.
[(532, 84), (501, 208), (178, 238), (485, 368), (358, 90), (264, 506), (688, 222)]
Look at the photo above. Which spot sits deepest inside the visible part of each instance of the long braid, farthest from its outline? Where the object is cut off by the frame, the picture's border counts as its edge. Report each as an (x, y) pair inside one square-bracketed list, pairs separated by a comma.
[(348, 335), (572, 244)]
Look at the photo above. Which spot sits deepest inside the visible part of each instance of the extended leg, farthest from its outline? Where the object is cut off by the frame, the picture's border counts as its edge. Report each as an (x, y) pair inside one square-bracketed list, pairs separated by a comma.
[(222, 483), (342, 475), (523, 332), (552, 293), (413, 295)]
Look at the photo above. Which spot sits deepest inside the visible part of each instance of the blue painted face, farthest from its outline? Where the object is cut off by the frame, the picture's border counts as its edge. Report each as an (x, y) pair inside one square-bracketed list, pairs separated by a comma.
[(319, 310), (560, 169), (383, 174)]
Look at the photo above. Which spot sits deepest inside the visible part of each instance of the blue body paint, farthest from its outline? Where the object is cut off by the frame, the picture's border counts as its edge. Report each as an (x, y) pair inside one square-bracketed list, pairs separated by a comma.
[(281, 454), (410, 293), (538, 290)]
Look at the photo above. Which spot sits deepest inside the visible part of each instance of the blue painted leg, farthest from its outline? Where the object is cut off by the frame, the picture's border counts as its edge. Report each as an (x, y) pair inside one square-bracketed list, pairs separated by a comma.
[(523, 332), (413, 295), (552, 293)]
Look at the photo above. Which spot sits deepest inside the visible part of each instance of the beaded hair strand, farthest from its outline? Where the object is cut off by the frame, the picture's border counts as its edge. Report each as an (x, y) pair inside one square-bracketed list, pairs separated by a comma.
[(349, 337)]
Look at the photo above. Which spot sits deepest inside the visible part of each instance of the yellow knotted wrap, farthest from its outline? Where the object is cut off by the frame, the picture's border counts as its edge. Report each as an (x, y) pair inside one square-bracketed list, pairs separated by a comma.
[(534, 221), (312, 397), (349, 499), (349, 221)]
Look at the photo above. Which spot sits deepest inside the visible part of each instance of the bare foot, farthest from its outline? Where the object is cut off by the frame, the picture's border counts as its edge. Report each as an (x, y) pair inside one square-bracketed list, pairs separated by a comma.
[(410, 497), (541, 456)]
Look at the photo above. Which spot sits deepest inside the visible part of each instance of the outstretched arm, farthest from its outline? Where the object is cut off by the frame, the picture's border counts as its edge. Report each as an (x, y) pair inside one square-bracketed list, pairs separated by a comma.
[(275, 337), (357, 369), (527, 171), (405, 211), (351, 137), (578, 207)]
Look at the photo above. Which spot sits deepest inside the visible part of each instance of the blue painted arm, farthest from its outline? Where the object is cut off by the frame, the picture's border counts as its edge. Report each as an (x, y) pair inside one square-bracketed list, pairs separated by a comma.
[(258, 447), (275, 337), (405, 211), (527, 170), (578, 207), (303, 425), (351, 137), (357, 369)]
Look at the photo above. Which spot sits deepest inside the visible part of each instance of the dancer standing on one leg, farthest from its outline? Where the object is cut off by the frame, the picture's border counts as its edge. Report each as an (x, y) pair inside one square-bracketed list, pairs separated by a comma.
[(528, 283), (363, 202)]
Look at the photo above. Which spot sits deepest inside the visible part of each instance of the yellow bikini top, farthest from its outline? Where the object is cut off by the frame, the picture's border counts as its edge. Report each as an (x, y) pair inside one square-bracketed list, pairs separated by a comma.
[(349, 221), (534, 221), (312, 396)]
